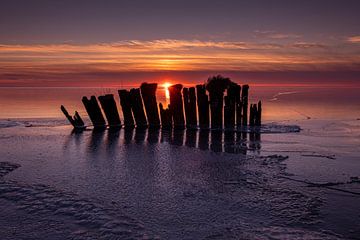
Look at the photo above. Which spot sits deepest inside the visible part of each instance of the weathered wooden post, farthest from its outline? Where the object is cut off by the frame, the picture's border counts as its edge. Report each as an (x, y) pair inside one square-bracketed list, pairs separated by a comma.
[(166, 117), (93, 109), (244, 100), (238, 105), (216, 86), (138, 108), (75, 121), (190, 107), (148, 93), (176, 106), (190, 139), (125, 102), (258, 115), (108, 104), (252, 117), (203, 106), (230, 106)]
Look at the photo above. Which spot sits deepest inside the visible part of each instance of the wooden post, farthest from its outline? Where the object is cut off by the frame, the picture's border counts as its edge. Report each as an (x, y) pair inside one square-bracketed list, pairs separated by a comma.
[(176, 106), (108, 104), (230, 106), (138, 108), (166, 117), (216, 86), (203, 106), (148, 93), (75, 121), (244, 100), (258, 116), (125, 102), (93, 109), (190, 107), (238, 106)]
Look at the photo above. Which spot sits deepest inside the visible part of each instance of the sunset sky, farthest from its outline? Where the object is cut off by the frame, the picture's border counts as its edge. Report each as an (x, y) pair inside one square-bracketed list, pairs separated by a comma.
[(105, 43)]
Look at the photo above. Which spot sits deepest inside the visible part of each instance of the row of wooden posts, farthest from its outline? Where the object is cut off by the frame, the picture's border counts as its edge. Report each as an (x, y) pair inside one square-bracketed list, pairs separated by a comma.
[(189, 108)]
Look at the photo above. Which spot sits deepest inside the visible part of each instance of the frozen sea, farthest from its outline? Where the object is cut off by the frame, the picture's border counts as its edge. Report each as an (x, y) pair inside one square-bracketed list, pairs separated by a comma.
[(136, 184)]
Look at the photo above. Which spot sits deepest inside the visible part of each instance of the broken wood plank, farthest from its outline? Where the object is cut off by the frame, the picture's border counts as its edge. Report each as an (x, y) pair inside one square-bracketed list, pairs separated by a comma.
[(148, 93), (108, 104)]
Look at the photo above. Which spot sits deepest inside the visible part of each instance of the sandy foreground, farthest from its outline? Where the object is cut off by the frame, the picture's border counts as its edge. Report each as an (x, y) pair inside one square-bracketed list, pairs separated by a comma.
[(55, 184)]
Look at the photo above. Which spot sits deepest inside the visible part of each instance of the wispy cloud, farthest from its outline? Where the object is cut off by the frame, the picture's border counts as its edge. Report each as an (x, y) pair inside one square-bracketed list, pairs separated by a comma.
[(276, 35), (31, 61), (354, 39)]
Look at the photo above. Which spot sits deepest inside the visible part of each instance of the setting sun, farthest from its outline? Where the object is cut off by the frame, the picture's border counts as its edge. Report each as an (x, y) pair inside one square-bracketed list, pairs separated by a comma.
[(166, 86)]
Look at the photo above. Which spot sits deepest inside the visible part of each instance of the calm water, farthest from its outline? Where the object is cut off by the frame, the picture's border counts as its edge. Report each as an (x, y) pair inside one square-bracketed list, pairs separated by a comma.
[(281, 103)]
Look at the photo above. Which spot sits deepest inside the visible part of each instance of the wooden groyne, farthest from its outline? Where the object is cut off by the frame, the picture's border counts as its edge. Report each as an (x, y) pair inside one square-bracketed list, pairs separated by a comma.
[(220, 103)]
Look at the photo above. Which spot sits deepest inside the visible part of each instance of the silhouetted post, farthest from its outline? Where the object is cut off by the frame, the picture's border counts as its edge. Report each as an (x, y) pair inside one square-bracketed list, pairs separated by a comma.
[(75, 121), (138, 108), (125, 102), (258, 116), (176, 106), (148, 93), (216, 86), (253, 114), (203, 106), (204, 139), (238, 105), (190, 107), (166, 117), (244, 100), (93, 109), (108, 104), (230, 106)]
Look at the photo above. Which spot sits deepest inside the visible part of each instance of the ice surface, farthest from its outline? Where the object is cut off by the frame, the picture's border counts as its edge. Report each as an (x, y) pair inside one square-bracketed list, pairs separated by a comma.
[(181, 185)]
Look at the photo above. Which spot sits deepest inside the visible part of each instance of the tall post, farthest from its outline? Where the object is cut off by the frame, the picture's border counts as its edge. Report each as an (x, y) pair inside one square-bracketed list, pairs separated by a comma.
[(244, 100), (108, 104), (138, 108), (93, 110), (238, 105), (203, 106), (176, 106), (148, 93), (190, 107), (125, 102), (230, 106)]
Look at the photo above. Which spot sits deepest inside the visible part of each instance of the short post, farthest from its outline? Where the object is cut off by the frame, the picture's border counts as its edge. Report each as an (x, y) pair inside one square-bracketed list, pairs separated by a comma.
[(108, 104), (75, 121), (125, 102), (138, 108), (148, 93), (166, 117), (203, 106), (176, 106), (93, 110), (258, 116), (238, 105)]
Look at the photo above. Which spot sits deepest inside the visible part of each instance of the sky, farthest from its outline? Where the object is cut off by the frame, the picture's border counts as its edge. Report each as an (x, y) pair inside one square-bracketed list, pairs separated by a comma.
[(103, 43)]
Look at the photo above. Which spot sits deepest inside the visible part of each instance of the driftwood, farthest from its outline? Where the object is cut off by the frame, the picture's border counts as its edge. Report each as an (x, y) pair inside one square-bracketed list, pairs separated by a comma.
[(203, 106), (148, 93), (75, 120), (176, 106), (108, 104), (190, 107), (258, 116), (138, 108), (93, 110), (166, 117), (125, 102)]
